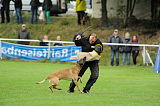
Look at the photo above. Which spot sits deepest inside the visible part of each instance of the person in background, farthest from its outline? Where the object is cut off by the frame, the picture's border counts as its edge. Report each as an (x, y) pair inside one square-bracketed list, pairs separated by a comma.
[(115, 38), (46, 38), (80, 9), (5, 4), (135, 49), (88, 44), (126, 49), (34, 9), (47, 5), (23, 34), (18, 9), (58, 38)]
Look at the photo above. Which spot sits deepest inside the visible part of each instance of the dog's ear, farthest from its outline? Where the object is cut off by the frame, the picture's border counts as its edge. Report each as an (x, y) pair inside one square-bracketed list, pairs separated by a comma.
[(79, 61), (85, 58)]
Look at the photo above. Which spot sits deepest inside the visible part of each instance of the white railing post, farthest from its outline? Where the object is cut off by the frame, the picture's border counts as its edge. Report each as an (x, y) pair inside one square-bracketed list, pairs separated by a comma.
[(144, 59), (0, 49), (49, 49)]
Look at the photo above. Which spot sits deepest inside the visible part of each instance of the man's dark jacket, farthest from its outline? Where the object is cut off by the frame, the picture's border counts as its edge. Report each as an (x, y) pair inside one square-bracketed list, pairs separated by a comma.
[(114, 39), (87, 47), (35, 4), (23, 34), (17, 3), (126, 49), (6, 4), (47, 5), (43, 43)]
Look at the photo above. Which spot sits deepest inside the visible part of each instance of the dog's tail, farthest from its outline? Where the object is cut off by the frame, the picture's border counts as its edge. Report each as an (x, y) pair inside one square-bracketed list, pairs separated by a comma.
[(41, 82)]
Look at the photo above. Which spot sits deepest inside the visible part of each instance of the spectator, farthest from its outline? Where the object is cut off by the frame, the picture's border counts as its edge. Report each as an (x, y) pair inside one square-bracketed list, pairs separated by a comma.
[(88, 44), (18, 8), (34, 8), (135, 49), (23, 34), (5, 8), (80, 9), (115, 38), (58, 38), (47, 5), (126, 49), (45, 38)]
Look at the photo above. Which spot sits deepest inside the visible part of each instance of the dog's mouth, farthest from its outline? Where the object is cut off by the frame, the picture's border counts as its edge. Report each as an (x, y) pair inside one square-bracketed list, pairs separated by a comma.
[(81, 65)]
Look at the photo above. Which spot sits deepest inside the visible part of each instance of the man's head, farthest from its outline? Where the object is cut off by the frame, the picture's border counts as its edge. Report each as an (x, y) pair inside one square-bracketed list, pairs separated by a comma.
[(115, 32), (58, 38), (23, 27), (45, 37), (92, 38), (127, 35)]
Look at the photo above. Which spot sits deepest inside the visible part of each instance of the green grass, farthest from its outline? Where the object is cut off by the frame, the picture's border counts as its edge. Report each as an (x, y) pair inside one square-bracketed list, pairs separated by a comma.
[(116, 86)]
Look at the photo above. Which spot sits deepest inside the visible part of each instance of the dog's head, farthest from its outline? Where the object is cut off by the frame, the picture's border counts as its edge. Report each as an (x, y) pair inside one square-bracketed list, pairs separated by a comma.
[(82, 61)]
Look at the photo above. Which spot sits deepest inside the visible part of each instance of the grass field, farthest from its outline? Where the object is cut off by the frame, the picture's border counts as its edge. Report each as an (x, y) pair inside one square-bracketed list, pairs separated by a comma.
[(116, 86)]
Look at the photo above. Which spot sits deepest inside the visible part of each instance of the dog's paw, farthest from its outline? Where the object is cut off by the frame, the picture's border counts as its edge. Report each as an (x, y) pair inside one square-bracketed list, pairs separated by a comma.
[(59, 88), (81, 92)]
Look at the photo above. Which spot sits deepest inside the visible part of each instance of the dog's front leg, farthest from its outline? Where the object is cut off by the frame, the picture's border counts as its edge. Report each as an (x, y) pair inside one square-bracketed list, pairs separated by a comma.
[(80, 78), (76, 83)]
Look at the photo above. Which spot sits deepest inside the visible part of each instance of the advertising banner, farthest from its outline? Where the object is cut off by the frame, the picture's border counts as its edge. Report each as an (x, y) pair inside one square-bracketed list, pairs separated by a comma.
[(53, 53)]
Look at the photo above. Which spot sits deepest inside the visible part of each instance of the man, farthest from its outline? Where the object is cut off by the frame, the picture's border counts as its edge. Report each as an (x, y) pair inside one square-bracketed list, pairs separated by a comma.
[(23, 34), (115, 38), (34, 8), (126, 49), (58, 43), (80, 9), (47, 5), (88, 44), (42, 43), (18, 9), (5, 8)]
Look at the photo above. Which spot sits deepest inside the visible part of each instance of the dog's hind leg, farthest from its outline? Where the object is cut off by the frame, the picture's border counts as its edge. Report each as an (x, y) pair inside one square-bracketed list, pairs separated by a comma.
[(54, 86), (55, 82), (51, 88)]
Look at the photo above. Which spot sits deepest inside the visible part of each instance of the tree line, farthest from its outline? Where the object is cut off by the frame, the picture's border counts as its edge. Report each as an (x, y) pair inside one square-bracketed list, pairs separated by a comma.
[(129, 8)]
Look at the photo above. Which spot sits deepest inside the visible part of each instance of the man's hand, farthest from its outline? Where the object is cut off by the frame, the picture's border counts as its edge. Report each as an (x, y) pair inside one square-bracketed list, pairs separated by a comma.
[(78, 37)]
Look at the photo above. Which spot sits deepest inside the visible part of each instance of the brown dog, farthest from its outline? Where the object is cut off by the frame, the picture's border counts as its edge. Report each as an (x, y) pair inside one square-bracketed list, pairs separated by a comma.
[(66, 74)]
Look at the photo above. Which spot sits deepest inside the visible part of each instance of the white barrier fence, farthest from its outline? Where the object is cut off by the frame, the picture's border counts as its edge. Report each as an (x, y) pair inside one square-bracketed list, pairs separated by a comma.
[(145, 54)]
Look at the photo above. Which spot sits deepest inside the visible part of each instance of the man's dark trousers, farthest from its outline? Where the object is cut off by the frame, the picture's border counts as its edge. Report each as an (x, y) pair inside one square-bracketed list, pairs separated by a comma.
[(94, 68), (80, 16), (5, 10), (114, 53)]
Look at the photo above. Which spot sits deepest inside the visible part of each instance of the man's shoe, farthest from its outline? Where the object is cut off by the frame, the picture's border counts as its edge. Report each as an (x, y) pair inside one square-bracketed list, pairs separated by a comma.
[(86, 91), (69, 91)]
